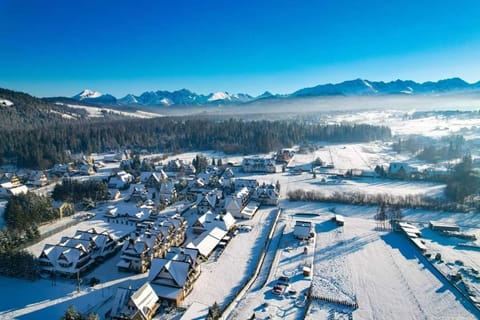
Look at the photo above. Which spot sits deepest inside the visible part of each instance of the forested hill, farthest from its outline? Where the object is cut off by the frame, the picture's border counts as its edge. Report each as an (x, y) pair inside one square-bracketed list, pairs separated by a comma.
[(36, 134), (22, 111)]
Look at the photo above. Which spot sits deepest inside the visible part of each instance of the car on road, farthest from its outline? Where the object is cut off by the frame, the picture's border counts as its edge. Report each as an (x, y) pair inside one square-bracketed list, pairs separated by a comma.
[(245, 228)]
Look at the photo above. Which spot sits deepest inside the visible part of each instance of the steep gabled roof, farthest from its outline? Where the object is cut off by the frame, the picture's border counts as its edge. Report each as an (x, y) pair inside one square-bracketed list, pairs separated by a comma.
[(178, 270)]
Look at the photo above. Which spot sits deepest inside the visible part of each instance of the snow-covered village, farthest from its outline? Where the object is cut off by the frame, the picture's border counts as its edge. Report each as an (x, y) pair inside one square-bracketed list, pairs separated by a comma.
[(239, 160), (318, 231)]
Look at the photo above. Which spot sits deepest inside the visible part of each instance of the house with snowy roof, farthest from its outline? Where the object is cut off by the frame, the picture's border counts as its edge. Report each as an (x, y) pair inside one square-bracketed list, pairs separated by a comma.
[(37, 179), (65, 260), (167, 192), (140, 304), (207, 202), (250, 184), (401, 169), (120, 181), (210, 220), (172, 278), (206, 242), (153, 179), (236, 202), (101, 244), (138, 251), (266, 195), (258, 164)]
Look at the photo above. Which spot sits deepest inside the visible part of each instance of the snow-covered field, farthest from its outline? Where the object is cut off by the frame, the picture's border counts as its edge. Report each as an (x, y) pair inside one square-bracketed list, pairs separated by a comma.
[(95, 112)]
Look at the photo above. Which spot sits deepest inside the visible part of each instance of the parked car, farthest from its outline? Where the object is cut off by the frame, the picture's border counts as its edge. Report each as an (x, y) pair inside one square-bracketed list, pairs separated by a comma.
[(283, 280), (280, 289)]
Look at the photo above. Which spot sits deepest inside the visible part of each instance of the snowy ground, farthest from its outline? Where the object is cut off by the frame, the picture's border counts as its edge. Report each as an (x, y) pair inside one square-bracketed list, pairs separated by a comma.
[(223, 277), (290, 258), (95, 112), (380, 271)]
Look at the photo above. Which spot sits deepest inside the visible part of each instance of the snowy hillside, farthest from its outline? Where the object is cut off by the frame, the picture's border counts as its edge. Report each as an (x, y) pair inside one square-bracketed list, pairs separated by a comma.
[(6, 103)]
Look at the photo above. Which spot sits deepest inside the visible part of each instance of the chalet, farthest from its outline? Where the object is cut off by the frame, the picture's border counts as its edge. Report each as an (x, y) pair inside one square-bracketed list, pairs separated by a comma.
[(207, 202), (257, 164), (250, 184), (128, 304), (205, 177), (303, 230), (101, 244), (61, 169), (63, 208), (401, 169), (284, 155), (137, 252), (266, 195), (37, 179), (237, 202), (65, 260), (167, 192), (15, 180), (210, 220), (138, 193), (8, 189), (76, 254), (86, 169), (153, 179), (207, 241), (172, 277), (152, 239), (120, 181)]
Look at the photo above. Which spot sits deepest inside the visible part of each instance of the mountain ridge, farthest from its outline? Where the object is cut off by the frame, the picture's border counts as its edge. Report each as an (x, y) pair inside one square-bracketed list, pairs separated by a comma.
[(355, 87)]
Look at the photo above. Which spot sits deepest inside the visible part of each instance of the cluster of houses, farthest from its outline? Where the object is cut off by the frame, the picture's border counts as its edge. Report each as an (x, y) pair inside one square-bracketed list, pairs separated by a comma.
[(404, 170), (152, 238), (170, 279), (158, 242), (74, 255)]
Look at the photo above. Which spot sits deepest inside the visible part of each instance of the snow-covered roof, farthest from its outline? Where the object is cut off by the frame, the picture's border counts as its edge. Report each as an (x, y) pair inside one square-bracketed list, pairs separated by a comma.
[(18, 190), (178, 270), (207, 241), (144, 299)]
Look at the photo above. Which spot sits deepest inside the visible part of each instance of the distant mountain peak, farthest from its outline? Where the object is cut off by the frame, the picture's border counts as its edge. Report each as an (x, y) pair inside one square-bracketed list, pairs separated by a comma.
[(221, 95), (87, 94)]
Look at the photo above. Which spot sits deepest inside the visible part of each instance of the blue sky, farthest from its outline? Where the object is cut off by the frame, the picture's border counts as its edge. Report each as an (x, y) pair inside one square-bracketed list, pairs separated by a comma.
[(59, 47)]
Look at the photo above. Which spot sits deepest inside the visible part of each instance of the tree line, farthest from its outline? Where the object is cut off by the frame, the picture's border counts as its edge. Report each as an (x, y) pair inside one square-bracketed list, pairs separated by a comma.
[(23, 213), (71, 190), (42, 147), (411, 201)]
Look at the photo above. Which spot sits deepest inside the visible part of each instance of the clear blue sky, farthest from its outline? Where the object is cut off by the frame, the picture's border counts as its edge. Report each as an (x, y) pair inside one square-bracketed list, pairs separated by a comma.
[(59, 47)]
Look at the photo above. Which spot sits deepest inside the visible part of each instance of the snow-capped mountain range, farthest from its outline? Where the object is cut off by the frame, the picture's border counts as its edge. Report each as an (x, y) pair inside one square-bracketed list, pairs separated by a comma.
[(357, 87)]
